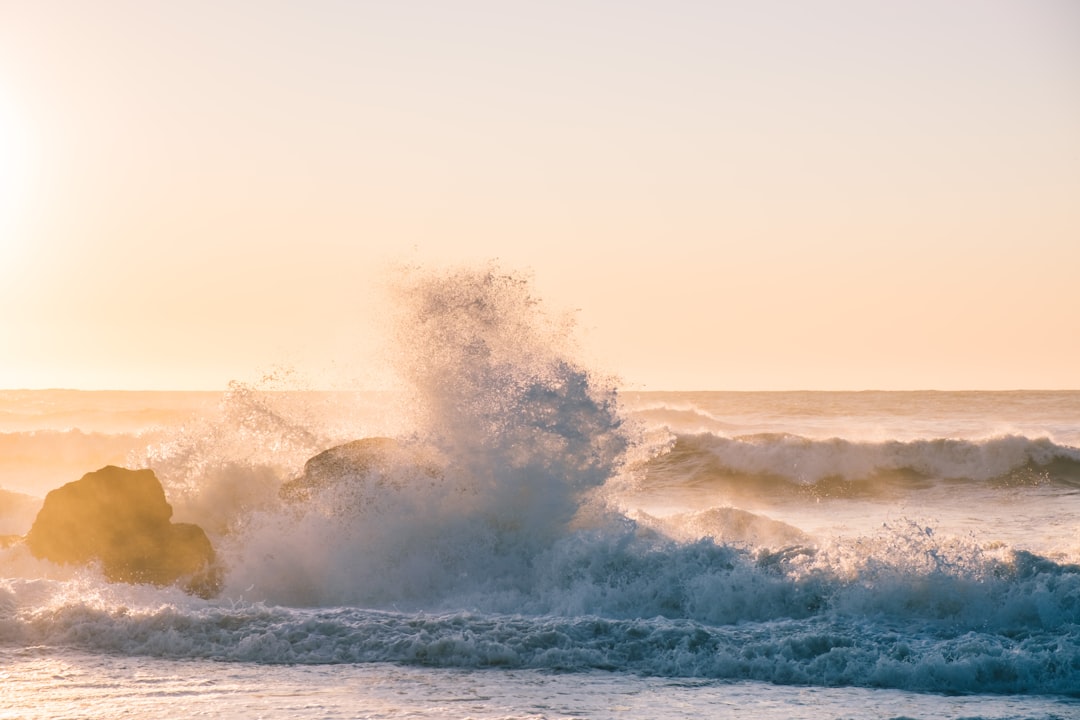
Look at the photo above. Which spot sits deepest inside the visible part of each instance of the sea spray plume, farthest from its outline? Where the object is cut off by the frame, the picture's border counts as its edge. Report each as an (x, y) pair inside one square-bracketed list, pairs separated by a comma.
[(218, 468), (523, 435), (502, 397)]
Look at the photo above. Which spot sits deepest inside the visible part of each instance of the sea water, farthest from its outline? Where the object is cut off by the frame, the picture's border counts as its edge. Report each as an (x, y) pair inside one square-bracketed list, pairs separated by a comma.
[(581, 551)]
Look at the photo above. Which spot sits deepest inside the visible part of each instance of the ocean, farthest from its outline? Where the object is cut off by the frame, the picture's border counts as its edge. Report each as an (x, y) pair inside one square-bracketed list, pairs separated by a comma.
[(553, 546)]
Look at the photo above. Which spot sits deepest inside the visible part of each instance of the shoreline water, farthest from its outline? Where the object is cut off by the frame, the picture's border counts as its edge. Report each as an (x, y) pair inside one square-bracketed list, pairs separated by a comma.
[(94, 686)]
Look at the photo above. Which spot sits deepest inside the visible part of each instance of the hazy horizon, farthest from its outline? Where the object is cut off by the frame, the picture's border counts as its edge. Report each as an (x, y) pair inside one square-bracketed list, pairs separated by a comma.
[(622, 389)]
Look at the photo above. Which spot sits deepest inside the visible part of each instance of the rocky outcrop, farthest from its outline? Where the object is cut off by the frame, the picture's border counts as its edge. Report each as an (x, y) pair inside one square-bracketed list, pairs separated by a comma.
[(381, 460), (120, 518)]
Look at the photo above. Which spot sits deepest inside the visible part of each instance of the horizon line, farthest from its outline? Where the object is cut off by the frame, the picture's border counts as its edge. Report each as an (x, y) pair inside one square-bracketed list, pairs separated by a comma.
[(619, 389)]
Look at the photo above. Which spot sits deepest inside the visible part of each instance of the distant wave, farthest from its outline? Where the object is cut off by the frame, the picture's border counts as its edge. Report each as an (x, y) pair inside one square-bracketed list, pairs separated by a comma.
[(680, 415), (778, 461), (50, 445), (17, 512), (36, 461), (99, 411)]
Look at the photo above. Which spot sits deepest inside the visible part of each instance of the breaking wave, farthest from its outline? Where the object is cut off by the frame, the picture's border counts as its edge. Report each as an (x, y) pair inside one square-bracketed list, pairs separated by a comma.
[(901, 610), (788, 463)]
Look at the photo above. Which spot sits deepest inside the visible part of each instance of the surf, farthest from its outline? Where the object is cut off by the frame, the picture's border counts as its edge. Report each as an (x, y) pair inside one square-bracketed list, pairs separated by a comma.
[(494, 524)]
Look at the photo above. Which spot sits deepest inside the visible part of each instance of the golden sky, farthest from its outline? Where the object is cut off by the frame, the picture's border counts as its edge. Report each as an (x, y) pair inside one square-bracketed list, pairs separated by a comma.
[(838, 194)]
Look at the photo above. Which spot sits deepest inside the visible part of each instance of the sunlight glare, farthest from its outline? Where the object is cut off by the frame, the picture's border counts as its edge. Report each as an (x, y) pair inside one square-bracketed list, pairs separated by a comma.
[(14, 174)]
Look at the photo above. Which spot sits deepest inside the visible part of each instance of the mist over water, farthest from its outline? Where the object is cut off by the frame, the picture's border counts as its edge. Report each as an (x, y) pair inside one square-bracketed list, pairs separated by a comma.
[(527, 514)]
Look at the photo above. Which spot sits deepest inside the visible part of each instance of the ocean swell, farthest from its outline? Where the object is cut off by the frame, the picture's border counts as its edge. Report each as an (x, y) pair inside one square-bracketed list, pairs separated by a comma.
[(789, 463)]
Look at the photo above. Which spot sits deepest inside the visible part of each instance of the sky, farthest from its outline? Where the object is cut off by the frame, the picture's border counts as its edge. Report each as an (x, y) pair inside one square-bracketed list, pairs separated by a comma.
[(767, 195)]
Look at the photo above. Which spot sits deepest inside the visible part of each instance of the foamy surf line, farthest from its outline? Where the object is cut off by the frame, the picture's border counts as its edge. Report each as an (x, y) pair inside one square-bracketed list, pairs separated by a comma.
[(920, 613), (815, 651)]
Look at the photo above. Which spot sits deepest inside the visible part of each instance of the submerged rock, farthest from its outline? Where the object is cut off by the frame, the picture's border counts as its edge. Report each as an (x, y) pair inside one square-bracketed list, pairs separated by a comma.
[(120, 518), (729, 526)]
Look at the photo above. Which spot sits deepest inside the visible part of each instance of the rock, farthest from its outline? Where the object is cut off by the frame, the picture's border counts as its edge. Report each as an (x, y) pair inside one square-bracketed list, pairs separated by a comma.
[(730, 526), (382, 460), (120, 518)]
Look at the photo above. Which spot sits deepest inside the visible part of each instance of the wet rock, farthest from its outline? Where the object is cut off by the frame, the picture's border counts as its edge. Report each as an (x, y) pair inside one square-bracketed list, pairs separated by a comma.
[(381, 460), (120, 518)]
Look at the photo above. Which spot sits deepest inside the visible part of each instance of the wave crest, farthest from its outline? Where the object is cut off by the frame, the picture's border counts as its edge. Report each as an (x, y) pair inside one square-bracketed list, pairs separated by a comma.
[(782, 463)]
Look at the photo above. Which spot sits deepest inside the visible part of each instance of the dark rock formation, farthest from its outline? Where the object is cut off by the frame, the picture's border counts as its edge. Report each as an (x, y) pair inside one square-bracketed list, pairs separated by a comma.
[(379, 459), (120, 518)]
